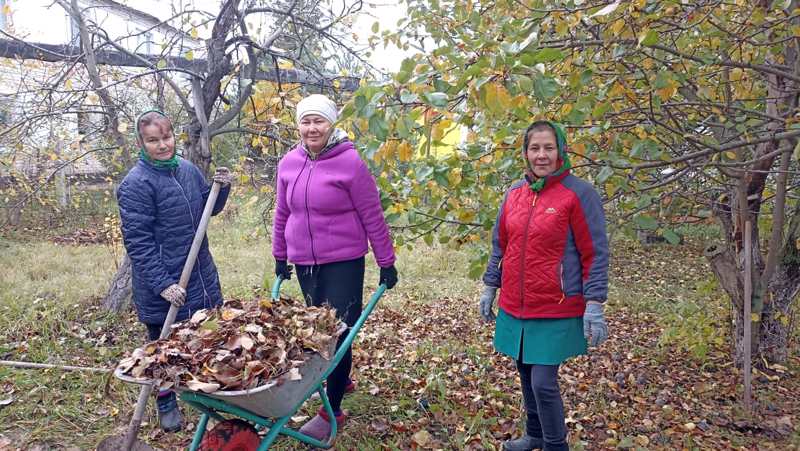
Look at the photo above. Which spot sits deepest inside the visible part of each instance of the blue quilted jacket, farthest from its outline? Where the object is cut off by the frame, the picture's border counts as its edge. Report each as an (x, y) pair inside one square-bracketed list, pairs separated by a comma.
[(160, 210)]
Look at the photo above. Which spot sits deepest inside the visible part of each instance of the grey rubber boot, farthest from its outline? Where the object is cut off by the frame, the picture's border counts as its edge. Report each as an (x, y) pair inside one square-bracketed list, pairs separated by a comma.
[(171, 420), (524, 443)]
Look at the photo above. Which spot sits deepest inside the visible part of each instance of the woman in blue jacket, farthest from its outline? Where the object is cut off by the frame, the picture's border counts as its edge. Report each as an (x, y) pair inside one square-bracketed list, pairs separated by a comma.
[(160, 201)]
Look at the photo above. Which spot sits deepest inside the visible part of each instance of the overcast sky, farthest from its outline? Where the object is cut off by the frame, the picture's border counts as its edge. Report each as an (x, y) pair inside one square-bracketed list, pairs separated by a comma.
[(387, 14)]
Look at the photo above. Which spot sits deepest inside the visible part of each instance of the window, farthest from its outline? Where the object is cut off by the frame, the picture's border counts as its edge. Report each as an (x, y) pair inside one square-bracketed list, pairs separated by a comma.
[(84, 124), (144, 42)]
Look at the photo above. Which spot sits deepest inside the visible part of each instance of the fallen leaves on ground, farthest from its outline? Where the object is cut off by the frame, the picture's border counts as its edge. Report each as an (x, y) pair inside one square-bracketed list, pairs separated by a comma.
[(435, 381), (239, 346), (83, 237)]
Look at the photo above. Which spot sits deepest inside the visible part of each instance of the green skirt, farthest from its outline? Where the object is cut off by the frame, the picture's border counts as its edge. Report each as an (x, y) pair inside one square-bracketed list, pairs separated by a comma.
[(542, 341)]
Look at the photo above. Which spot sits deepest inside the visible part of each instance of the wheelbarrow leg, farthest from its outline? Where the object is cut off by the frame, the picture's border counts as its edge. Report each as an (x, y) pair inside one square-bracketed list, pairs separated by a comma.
[(308, 440), (273, 432), (201, 430), (326, 403)]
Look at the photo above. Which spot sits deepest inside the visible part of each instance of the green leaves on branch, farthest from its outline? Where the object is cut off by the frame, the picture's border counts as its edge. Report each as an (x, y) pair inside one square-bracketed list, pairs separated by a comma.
[(437, 99), (671, 237), (546, 55), (545, 88), (645, 222)]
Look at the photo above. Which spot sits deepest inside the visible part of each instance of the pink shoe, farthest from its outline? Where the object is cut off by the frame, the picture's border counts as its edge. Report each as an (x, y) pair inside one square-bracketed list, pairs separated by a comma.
[(319, 427)]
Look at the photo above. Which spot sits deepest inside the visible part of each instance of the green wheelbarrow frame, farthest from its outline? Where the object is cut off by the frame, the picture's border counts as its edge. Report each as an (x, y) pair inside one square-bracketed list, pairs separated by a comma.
[(211, 407)]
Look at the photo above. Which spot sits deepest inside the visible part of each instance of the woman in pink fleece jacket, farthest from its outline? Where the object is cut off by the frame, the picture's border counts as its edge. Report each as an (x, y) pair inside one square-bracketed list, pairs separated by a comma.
[(328, 206)]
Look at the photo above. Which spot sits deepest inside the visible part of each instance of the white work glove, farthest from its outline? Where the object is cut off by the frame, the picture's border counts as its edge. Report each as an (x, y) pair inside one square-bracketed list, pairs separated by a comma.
[(223, 176), (174, 294), (595, 328), (487, 302)]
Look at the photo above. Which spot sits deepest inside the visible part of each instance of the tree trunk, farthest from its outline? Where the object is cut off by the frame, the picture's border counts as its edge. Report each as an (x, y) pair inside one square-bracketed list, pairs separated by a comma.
[(194, 147), (118, 298), (727, 273), (770, 334), (784, 287)]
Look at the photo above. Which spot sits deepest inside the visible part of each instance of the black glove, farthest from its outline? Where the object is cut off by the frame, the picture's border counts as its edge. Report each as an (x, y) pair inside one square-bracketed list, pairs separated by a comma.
[(283, 269), (388, 277)]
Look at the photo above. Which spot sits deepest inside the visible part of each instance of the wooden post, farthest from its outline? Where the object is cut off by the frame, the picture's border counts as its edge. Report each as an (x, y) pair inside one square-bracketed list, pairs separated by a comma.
[(748, 320), (62, 188)]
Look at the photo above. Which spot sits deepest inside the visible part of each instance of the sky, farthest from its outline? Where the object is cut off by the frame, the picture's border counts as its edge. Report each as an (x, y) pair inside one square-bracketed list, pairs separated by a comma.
[(386, 13)]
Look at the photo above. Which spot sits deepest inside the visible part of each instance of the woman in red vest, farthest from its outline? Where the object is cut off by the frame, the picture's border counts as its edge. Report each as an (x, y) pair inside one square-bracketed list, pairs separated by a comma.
[(550, 261)]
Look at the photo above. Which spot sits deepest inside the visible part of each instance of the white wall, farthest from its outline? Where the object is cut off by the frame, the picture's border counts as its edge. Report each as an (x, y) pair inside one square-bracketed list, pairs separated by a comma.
[(46, 22)]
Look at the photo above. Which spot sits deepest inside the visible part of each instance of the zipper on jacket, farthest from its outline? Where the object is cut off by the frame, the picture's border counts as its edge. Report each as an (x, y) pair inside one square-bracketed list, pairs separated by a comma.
[(524, 246), (561, 280), (308, 214), (196, 267)]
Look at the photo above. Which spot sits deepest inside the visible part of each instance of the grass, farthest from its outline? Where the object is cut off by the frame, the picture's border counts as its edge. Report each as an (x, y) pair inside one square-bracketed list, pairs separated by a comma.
[(426, 371)]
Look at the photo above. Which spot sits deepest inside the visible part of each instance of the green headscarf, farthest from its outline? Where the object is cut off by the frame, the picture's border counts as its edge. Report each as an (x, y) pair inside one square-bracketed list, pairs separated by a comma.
[(537, 184), (172, 163)]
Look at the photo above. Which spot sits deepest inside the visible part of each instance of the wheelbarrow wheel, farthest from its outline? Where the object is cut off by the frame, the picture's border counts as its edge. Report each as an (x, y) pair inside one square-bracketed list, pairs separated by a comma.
[(231, 435)]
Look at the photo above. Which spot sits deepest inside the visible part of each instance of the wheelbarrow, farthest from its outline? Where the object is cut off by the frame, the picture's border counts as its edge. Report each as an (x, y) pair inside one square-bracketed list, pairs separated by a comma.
[(271, 406)]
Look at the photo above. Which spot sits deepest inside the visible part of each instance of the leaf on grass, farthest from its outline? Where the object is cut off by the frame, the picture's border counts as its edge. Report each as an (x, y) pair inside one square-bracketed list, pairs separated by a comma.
[(422, 438), (231, 313)]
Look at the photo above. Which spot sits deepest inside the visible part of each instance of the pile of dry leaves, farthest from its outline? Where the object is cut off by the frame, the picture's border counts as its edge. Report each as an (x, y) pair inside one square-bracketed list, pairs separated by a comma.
[(239, 346)]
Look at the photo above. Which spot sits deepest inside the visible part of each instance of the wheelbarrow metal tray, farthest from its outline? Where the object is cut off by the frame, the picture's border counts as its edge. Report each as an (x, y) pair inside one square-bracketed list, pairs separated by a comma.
[(276, 398)]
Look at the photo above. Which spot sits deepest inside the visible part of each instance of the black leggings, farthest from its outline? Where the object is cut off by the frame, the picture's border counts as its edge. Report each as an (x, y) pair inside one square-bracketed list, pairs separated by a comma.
[(340, 285)]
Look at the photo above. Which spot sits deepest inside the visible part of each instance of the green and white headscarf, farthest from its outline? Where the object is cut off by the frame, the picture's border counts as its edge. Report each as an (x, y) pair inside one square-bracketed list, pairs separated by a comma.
[(172, 163)]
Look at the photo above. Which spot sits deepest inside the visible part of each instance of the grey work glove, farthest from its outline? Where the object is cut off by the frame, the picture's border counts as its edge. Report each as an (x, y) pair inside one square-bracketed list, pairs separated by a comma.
[(595, 328), (487, 302), (174, 294), (223, 176)]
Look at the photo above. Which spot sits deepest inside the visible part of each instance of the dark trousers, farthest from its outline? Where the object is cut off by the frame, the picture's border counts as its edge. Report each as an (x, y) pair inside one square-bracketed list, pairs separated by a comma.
[(340, 285), (166, 399), (543, 405)]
